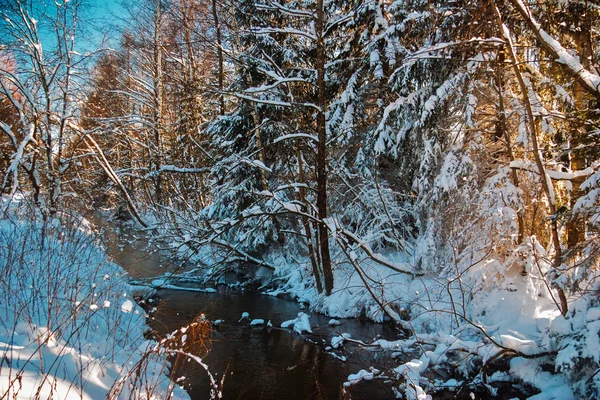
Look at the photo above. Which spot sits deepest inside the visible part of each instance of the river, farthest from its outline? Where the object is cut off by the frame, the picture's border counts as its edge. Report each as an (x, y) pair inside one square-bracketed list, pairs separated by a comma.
[(263, 362), (258, 362)]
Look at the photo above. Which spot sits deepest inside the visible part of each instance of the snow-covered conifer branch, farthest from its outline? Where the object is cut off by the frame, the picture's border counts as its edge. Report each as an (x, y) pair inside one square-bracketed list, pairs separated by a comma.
[(286, 30), (553, 174), (175, 169), (271, 102), (296, 136), (572, 64)]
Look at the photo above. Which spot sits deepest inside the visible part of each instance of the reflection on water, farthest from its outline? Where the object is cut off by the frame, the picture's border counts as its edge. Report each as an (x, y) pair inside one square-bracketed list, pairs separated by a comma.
[(134, 252), (259, 362), (269, 363)]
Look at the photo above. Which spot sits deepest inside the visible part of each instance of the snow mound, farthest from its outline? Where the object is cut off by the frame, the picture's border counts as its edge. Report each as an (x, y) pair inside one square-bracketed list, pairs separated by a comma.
[(301, 323), (70, 327), (353, 379)]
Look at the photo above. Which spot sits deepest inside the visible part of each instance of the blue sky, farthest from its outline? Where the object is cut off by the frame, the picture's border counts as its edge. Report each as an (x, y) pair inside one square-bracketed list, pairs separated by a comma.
[(99, 21), (102, 18)]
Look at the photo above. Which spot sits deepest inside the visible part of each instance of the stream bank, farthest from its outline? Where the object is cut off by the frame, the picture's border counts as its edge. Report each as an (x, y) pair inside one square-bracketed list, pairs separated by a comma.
[(258, 361), (262, 361)]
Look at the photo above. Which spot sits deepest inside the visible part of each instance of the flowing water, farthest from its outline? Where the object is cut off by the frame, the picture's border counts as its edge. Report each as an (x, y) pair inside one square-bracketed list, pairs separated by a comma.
[(258, 362), (268, 363), (261, 362)]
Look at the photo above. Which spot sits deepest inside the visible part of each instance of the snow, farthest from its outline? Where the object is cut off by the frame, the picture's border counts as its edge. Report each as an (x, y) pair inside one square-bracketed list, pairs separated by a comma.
[(69, 326), (301, 323), (411, 371), (339, 357), (589, 79), (278, 81), (309, 136), (175, 169), (274, 102), (158, 283), (353, 379), (287, 30), (288, 323), (18, 156), (592, 314), (245, 315), (256, 322), (292, 207), (258, 164), (556, 175), (127, 306), (163, 283), (592, 340), (528, 347), (337, 341), (553, 387)]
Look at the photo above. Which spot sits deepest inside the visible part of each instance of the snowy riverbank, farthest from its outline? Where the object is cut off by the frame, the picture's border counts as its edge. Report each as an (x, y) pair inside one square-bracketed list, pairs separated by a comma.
[(479, 332), (69, 328)]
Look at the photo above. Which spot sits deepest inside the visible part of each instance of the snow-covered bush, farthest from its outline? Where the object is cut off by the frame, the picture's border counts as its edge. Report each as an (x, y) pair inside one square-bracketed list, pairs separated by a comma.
[(69, 327), (578, 342)]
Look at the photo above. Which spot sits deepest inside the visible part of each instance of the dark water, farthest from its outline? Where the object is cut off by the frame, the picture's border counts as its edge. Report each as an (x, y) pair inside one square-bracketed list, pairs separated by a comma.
[(258, 362), (270, 363), (132, 250), (261, 362)]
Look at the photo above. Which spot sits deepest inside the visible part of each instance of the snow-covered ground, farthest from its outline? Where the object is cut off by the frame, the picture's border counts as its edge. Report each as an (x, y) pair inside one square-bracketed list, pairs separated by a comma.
[(485, 323), (459, 323), (69, 328), (453, 329)]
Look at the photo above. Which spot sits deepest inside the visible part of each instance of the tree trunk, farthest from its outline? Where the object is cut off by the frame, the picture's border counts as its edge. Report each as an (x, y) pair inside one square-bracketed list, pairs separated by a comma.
[(544, 178), (158, 91), (322, 152), (502, 131), (576, 225), (306, 223), (219, 56)]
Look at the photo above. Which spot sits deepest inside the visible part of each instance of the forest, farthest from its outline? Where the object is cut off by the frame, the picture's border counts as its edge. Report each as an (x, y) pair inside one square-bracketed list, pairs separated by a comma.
[(433, 165)]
